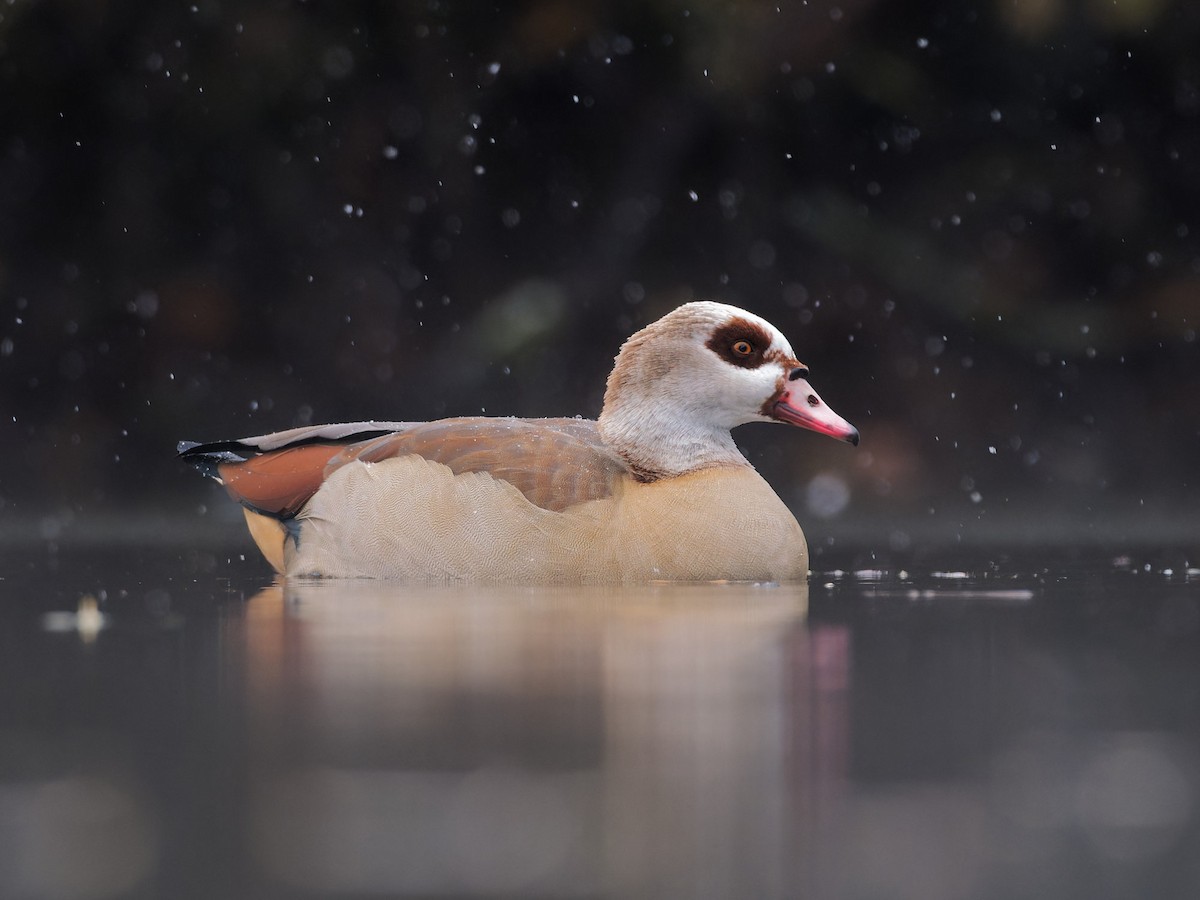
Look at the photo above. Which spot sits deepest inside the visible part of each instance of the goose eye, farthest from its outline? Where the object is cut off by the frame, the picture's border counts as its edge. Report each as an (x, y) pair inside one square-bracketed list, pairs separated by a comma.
[(742, 348)]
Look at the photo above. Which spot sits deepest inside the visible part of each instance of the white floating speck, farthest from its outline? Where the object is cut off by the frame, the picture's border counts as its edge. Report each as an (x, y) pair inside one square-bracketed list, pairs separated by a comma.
[(87, 620), (870, 574), (1014, 595)]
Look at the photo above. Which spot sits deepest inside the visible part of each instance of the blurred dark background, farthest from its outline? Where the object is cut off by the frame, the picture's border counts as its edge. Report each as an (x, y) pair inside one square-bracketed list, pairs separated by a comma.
[(977, 222)]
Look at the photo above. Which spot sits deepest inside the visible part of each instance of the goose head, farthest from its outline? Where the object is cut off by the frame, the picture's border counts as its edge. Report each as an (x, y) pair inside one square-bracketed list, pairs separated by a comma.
[(680, 384)]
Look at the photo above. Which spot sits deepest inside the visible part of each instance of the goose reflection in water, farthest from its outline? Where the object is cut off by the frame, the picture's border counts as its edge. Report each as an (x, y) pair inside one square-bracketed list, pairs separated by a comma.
[(514, 740)]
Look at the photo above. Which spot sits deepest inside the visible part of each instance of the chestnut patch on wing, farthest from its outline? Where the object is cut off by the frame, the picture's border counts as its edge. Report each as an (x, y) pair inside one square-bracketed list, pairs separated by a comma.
[(729, 339), (278, 483)]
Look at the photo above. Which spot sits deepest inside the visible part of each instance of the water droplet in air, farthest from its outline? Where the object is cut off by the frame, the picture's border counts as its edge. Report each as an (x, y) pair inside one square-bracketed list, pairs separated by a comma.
[(827, 495)]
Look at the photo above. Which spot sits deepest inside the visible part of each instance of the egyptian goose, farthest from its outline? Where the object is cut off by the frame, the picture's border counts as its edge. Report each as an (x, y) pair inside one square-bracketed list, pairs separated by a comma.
[(656, 489)]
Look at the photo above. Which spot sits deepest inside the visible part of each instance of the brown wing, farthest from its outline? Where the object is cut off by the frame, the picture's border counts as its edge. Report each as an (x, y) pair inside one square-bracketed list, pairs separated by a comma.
[(555, 463)]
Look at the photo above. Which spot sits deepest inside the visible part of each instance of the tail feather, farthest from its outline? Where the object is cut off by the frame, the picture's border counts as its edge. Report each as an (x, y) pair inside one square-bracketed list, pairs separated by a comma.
[(208, 457)]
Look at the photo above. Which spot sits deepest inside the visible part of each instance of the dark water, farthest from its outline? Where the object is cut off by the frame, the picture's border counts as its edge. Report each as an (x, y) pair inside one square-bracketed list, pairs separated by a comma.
[(956, 725)]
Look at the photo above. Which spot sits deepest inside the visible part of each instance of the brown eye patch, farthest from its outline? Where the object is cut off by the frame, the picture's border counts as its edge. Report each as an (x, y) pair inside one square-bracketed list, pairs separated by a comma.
[(740, 343)]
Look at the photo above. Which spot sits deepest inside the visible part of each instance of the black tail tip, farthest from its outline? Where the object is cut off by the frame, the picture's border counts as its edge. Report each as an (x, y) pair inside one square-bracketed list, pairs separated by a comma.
[(205, 457)]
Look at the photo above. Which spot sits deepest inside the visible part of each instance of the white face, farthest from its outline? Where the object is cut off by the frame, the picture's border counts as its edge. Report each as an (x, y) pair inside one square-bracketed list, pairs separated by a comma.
[(746, 372), (680, 384), (706, 368), (737, 364)]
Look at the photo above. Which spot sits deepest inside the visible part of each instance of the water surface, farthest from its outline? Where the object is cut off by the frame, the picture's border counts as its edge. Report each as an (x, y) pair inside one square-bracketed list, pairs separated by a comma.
[(172, 723)]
